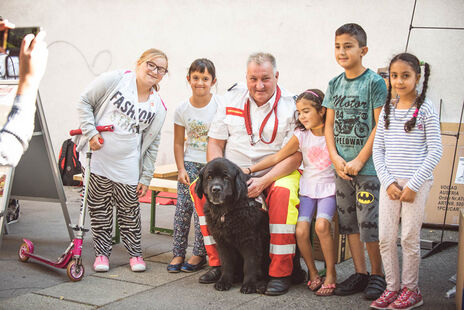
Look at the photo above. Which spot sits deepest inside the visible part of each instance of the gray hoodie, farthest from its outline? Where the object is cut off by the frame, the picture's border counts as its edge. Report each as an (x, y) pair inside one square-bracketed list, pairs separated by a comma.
[(91, 106)]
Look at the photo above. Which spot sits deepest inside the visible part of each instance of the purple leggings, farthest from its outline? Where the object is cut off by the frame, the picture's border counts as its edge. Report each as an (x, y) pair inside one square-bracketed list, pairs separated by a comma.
[(325, 208)]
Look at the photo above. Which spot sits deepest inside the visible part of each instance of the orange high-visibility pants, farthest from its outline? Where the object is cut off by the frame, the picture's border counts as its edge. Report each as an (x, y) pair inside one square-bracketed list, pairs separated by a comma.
[(210, 244), (282, 200)]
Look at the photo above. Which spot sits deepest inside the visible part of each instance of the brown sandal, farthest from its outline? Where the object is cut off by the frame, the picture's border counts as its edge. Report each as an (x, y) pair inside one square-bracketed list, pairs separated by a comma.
[(326, 289), (315, 284)]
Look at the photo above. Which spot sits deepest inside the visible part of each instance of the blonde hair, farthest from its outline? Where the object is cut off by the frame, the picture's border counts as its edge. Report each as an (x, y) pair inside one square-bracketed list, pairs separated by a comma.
[(149, 54)]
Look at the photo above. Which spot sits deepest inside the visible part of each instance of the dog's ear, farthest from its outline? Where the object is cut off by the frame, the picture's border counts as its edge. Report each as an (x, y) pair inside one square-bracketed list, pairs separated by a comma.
[(241, 185), (199, 185)]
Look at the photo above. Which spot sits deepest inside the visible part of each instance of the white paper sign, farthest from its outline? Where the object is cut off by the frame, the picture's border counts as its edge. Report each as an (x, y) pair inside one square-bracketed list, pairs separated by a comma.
[(460, 172)]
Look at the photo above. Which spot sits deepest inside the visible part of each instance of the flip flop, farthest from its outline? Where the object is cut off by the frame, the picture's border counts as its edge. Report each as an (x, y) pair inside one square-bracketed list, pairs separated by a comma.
[(326, 289), (315, 284)]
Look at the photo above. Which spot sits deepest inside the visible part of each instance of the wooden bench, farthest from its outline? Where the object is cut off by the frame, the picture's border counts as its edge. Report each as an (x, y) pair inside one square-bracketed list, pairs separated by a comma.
[(166, 172), (164, 180), (158, 185)]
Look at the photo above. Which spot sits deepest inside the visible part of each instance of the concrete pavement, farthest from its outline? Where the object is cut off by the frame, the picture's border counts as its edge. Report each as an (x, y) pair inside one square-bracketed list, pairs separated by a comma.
[(36, 285)]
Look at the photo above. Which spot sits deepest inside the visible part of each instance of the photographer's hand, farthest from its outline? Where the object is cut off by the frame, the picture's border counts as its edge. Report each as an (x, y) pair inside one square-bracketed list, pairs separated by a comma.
[(32, 62)]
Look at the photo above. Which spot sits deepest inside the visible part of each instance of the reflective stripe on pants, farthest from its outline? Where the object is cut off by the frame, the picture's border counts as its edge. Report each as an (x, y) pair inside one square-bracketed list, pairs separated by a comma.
[(283, 202), (210, 244)]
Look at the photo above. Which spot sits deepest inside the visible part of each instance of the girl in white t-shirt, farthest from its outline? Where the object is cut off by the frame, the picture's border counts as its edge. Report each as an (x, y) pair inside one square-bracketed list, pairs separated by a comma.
[(191, 124), (317, 186), (122, 167)]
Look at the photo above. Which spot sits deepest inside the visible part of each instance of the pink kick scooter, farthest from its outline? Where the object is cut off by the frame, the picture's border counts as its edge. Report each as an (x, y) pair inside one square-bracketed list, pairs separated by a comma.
[(71, 257)]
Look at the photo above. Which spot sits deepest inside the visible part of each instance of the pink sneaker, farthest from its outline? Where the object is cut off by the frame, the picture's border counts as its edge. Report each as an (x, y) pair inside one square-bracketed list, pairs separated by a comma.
[(408, 299), (137, 264), (384, 300), (102, 264)]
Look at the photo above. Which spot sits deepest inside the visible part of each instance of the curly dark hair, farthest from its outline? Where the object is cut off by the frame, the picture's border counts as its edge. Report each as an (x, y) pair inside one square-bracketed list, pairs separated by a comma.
[(416, 66)]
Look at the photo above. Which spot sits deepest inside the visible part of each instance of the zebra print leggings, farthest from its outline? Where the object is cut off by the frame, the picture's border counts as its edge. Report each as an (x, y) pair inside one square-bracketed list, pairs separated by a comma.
[(103, 195)]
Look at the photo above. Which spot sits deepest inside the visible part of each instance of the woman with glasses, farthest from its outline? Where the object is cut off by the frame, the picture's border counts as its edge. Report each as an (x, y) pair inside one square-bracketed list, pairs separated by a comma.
[(123, 164)]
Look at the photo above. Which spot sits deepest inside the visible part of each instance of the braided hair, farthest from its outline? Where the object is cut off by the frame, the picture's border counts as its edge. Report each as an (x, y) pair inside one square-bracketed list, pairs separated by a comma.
[(416, 66), (314, 95)]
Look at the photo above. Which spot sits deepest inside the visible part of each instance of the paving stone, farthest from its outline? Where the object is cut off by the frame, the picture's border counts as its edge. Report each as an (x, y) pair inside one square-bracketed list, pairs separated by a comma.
[(18, 278), (299, 297), (186, 293), (39, 302), (94, 290), (166, 257)]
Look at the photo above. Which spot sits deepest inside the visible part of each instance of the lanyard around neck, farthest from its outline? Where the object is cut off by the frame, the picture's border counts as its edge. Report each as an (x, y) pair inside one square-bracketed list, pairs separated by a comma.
[(276, 121)]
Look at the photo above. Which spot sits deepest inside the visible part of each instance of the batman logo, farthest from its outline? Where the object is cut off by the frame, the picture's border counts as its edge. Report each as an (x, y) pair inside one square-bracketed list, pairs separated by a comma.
[(368, 225), (365, 198)]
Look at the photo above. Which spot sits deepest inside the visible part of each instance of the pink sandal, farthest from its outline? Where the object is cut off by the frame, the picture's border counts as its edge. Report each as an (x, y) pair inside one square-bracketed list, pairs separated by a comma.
[(315, 284), (326, 290)]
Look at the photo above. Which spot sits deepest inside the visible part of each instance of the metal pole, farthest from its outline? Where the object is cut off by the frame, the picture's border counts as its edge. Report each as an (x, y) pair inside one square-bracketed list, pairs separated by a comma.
[(410, 26)]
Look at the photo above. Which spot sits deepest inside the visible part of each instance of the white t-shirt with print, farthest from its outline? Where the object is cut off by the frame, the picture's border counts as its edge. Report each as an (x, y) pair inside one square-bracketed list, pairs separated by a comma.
[(118, 159), (196, 122), (318, 179)]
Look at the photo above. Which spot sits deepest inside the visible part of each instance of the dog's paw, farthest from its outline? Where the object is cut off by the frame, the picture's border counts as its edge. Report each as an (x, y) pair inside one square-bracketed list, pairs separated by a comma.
[(222, 285), (248, 288), (261, 287)]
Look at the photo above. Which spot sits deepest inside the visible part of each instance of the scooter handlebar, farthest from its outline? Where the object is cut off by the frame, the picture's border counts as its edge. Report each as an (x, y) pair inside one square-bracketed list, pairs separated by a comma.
[(76, 132)]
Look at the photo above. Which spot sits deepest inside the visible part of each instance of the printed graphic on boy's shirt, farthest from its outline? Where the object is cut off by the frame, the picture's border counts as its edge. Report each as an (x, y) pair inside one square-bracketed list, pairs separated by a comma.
[(319, 157), (351, 120), (197, 135)]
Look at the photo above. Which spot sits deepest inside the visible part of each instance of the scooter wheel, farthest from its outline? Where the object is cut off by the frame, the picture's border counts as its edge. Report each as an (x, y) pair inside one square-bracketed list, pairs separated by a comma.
[(75, 271), (23, 249)]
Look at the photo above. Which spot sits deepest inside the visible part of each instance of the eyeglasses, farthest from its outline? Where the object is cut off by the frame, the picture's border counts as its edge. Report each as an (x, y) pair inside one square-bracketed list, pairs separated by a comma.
[(152, 67)]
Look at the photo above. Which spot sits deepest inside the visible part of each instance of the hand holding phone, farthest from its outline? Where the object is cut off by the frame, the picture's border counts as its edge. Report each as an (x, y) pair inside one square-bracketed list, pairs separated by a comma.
[(32, 62), (11, 37)]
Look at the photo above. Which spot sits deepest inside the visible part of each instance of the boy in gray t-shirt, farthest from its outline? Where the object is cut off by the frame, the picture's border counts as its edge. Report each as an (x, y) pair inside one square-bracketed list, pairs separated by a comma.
[(354, 100)]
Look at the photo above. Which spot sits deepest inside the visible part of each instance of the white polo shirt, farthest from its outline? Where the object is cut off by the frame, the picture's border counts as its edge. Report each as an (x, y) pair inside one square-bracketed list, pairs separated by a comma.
[(229, 124)]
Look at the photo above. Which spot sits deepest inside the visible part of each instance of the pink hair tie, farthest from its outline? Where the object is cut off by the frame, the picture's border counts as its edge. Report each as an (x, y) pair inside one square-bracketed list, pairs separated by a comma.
[(311, 92), (415, 113)]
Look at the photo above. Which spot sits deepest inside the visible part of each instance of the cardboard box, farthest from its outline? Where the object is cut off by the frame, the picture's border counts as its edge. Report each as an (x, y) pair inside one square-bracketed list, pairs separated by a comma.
[(460, 267), (340, 243), (436, 203)]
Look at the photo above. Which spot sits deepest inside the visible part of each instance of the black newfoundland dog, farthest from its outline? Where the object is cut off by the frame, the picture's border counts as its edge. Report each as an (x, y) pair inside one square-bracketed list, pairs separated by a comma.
[(238, 225)]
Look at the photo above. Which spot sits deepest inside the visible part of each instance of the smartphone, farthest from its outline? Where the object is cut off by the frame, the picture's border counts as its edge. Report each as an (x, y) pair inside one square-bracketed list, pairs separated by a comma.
[(10, 39)]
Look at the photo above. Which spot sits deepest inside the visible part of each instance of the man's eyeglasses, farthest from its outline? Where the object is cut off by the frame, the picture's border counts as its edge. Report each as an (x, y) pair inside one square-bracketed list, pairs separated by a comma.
[(152, 67)]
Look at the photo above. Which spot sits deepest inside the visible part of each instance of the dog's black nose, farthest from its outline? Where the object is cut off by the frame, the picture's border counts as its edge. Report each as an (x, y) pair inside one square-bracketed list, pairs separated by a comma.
[(215, 189)]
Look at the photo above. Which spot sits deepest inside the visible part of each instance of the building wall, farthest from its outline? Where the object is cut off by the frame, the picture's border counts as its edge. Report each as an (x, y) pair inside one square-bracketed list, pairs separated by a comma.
[(89, 37)]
